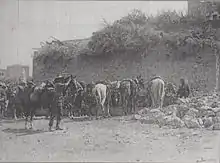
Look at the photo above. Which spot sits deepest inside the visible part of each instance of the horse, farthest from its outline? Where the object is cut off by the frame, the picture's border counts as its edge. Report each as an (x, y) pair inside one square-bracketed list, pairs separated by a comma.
[(128, 91), (114, 93), (156, 89), (75, 95), (100, 90), (97, 94), (170, 94)]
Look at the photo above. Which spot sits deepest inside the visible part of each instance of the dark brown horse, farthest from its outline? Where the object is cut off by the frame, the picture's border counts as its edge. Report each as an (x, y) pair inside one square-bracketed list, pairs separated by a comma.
[(74, 95), (128, 91), (39, 97)]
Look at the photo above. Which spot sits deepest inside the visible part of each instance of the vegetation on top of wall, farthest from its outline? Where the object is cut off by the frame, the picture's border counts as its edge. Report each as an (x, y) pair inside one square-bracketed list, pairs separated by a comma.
[(136, 33)]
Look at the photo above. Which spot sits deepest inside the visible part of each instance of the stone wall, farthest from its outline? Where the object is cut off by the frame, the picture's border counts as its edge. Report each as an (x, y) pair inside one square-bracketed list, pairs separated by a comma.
[(200, 72)]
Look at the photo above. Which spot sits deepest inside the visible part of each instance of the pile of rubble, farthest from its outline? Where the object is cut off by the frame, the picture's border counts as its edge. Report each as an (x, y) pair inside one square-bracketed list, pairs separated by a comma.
[(200, 112)]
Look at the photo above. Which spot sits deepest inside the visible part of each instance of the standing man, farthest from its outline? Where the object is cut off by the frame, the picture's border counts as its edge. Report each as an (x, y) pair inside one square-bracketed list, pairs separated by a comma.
[(3, 99), (184, 89), (57, 107)]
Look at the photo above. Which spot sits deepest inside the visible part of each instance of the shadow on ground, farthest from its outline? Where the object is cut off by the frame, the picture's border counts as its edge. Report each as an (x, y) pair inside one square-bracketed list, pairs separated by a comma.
[(23, 132), (11, 120)]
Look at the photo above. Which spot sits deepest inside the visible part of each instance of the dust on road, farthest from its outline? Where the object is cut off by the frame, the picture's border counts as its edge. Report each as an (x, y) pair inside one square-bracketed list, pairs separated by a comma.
[(114, 139)]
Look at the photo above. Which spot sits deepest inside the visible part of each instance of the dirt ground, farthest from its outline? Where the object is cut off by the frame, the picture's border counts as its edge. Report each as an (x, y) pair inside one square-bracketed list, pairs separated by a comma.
[(114, 139)]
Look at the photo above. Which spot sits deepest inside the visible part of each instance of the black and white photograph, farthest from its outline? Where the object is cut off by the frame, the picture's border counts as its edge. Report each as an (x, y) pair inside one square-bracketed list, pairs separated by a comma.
[(110, 81)]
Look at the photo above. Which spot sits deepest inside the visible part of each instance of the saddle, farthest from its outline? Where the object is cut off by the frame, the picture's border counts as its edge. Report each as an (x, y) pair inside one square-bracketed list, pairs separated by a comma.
[(156, 77)]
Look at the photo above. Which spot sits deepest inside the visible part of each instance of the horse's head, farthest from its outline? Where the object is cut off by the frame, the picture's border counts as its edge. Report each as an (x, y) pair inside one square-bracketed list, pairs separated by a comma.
[(49, 84), (71, 83)]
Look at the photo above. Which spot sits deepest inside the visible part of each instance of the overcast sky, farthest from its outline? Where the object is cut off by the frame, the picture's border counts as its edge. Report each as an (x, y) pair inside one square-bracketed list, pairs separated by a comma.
[(66, 20)]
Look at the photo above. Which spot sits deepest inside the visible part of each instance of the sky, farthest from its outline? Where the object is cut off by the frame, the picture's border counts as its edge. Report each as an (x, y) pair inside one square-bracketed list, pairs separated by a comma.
[(24, 24)]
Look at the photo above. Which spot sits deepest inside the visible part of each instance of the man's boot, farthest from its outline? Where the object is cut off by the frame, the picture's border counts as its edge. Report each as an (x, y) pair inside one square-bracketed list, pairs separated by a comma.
[(58, 127), (50, 128)]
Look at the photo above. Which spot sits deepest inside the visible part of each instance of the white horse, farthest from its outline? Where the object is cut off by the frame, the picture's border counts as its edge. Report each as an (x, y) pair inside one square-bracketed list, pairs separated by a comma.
[(100, 91), (157, 92)]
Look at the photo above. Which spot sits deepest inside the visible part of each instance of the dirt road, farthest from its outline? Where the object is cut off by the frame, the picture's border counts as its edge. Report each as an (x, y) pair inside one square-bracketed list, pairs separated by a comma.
[(115, 139)]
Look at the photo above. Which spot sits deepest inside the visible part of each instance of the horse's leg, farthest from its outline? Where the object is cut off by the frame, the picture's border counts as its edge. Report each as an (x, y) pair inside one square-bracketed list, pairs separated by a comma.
[(126, 106), (108, 107), (69, 115), (14, 112), (96, 112), (161, 102), (51, 120), (31, 118), (153, 100), (69, 110), (134, 104), (6, 109), (26, 118), (129, 105), (1, 109), (103, 104), (157, 97), (124, 103), (80, 108), (162, 96)]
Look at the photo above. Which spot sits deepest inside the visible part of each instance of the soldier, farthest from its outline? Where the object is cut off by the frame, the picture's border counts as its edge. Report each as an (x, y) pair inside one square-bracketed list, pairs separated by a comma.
[(58, 101), (184, 89), (3, 99)]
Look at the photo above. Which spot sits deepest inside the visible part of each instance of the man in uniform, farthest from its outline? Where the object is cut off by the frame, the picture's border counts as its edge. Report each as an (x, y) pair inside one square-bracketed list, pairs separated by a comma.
[(57, 107), (184, 89)]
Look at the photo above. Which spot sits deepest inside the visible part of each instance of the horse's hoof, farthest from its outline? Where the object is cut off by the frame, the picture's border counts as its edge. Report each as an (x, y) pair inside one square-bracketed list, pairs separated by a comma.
[(50, 129)]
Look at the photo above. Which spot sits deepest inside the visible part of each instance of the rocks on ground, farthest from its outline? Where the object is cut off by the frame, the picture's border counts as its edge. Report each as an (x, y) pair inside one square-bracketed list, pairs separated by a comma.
[(191, 113)]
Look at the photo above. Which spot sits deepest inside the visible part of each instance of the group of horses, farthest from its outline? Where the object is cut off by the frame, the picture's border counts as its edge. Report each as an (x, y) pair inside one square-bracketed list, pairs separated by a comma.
[(82, 97)]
